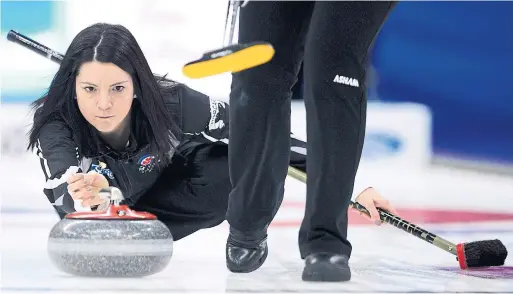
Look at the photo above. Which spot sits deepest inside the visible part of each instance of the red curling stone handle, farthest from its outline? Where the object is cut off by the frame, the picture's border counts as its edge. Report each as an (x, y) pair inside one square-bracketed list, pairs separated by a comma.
[(113, 212)]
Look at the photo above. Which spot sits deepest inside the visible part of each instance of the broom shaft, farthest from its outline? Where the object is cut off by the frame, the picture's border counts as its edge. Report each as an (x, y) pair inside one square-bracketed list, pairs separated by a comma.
[(391, 219), (233, 11)]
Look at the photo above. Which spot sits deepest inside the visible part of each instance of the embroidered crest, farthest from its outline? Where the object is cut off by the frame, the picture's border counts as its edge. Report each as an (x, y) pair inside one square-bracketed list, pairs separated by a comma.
[(146, 163)]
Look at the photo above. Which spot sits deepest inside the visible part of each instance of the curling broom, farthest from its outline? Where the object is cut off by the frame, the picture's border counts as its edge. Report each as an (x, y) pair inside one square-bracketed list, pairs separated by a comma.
[(469, 255), (232, 57)]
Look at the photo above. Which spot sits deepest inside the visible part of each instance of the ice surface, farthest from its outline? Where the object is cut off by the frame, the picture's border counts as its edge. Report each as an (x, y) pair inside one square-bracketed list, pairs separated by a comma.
[(384, 260)]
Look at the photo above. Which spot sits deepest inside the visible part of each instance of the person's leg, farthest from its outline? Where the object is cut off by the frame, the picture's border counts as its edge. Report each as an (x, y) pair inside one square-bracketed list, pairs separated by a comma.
[(334, 66), (191, 197), (260, 127)]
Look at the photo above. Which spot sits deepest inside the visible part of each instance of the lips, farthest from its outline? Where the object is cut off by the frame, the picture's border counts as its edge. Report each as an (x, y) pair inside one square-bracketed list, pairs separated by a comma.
[(105, 117)]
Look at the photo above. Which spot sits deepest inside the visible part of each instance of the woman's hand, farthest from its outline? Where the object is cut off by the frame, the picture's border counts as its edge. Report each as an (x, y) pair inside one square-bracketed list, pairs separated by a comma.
[(371, 199), (86, 188)]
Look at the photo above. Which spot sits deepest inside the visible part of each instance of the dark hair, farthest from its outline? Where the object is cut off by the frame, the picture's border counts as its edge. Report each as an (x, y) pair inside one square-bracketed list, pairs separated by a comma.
[(110, 44)]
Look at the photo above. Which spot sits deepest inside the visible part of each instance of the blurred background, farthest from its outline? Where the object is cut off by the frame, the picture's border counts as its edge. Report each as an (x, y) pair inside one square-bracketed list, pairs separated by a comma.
[(440, 81)]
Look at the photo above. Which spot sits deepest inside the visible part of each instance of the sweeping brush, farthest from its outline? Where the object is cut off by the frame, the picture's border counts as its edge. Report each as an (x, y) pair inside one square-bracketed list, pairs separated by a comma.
[(231, 57), (469, 255)]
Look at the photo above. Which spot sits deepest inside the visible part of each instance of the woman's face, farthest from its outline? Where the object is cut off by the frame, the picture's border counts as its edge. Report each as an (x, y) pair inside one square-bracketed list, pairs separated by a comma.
[(104, 95)]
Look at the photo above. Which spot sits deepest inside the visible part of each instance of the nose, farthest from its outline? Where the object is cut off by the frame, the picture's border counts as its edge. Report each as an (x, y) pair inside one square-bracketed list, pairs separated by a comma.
[(104, 102)]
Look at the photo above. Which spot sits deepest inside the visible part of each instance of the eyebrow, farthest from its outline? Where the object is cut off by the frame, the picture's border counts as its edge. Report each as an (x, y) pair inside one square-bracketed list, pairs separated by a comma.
[(87, 83)]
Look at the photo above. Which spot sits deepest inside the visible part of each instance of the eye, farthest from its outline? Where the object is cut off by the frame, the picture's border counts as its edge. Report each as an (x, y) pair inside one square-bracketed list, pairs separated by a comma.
[(119, 88), (89, 89)]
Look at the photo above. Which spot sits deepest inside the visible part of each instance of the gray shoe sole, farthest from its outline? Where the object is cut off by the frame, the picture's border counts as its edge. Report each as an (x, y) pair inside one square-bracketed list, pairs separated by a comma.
[(325, 272)]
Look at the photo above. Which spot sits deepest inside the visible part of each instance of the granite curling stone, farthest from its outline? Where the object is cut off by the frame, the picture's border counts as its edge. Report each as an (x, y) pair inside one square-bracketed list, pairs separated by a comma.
[(115, 242)]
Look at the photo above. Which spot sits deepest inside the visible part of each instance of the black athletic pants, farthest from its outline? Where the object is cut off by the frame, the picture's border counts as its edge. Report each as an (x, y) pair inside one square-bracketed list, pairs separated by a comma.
[(332, 40)]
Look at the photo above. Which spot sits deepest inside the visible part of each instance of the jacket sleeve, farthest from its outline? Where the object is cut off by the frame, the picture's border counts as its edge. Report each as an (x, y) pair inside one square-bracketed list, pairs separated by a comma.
[(58, 155), (297, 153), (209, 119), (203, 117)]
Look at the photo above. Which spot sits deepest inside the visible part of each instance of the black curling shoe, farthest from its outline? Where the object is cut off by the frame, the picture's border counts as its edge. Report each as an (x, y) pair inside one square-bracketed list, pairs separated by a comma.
[(326, 267), (245, 256)]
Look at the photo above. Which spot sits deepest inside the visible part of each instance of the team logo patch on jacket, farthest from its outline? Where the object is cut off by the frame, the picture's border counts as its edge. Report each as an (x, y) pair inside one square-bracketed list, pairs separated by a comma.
[(146, 163), (102, 169)]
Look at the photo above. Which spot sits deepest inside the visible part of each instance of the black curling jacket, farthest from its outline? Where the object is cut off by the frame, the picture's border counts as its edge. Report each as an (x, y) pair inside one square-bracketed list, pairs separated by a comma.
[(202, 120)]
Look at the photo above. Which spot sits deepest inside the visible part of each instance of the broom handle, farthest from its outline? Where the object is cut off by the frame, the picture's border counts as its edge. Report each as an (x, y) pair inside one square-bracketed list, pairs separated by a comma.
[(34, 46), (391, 219), (233, 7)]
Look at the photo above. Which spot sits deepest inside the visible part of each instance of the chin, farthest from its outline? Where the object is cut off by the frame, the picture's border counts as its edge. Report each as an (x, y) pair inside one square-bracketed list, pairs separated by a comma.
[(105, 129)]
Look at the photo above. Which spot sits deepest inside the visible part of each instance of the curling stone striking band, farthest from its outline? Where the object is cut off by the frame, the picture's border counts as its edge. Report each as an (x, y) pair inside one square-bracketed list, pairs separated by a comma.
[(116, 242)]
